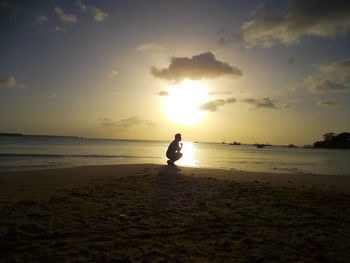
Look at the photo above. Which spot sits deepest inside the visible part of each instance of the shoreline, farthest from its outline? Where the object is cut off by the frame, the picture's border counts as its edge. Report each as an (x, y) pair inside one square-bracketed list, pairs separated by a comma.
[(158, 213), (49, 167), (340, 182)]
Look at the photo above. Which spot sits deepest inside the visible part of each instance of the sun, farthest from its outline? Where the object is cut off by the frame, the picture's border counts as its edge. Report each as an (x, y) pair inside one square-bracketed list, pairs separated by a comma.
[(181, 106)]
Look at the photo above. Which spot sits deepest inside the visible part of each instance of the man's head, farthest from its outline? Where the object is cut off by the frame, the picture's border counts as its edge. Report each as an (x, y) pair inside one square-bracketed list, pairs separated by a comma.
[(178, 137)]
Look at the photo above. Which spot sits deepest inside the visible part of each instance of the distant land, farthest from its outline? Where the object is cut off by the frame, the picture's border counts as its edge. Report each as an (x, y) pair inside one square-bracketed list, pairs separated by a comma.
[(10, 134), (36, 135), (332, 140)]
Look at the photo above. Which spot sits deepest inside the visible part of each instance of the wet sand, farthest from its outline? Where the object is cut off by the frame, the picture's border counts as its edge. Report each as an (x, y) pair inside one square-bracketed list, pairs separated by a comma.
[(155, 213)]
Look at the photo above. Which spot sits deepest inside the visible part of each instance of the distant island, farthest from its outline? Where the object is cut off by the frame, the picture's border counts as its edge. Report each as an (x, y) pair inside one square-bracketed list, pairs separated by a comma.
[(35, 135), (10, 134), (332, 140)]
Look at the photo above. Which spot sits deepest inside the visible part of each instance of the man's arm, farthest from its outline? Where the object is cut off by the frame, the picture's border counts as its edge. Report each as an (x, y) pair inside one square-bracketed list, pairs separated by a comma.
[(180, 146)]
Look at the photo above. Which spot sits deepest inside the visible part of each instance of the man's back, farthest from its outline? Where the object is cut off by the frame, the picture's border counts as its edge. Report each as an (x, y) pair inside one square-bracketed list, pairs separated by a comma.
[(173, 147)]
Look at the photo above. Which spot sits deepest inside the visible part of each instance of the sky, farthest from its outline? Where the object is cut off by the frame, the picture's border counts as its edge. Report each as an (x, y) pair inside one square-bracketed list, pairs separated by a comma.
[(273, 72)]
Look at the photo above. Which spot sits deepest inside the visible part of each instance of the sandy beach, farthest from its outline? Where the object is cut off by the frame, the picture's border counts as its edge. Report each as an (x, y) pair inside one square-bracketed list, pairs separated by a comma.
[(156, 213)]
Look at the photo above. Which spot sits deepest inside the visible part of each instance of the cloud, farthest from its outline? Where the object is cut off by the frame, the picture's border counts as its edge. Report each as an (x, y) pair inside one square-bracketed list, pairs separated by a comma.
[(230, 100), (113, 73), (227, 37), (325, 86), (41, 22), (133, 121), (293, 87), (81, 5), (214, 104), (264, 9), (97, 13), (327, 103), (287, 23), (106, 122), (58, 29), (295, 100), (339, 69), (50, 95), (8, 82), (264, 103), (201, 66), (11, 82), (153, 50), (128, 123), (286, 106), (163, 93), (65, 18), (21, 86), (332, 77), (220, 93), (149, 47), (40, 19)]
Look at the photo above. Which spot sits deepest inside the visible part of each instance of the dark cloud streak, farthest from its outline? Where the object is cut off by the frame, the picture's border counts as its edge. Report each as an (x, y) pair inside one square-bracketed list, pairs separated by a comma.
[(325, 86), (327, 103), (11, 82), (264, 103), (201, 66), (213, 105), (97, 13), (65, 17), (227, 37), (220, 93), (333, 77), (163, 93), (127, 123)]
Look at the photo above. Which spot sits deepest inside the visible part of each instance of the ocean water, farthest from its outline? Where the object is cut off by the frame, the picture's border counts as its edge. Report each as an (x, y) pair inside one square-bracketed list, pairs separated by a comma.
[(39, 152)]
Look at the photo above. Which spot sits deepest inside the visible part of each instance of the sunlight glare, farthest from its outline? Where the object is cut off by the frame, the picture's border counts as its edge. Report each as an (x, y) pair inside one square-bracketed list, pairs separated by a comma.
[(188, 154), (181, 106)]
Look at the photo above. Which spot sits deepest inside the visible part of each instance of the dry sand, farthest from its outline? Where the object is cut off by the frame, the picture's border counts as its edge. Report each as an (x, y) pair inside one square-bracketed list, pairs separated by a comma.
[(155, 213)]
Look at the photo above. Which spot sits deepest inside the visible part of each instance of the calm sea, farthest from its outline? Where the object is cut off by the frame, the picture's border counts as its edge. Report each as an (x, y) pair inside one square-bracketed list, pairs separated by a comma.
[(33, 152)]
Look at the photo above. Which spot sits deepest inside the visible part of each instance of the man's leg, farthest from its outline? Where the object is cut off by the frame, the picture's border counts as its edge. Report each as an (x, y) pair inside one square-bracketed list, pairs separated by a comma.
[(179, 156), (176, 157)]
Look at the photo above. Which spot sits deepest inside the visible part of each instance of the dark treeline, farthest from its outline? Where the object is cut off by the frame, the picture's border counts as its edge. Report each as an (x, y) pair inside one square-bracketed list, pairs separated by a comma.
[(10, 134), (36, 135), (334, 141)]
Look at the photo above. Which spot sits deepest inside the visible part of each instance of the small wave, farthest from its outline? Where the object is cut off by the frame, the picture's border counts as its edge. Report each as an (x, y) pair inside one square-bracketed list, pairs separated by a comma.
[(28, 166), (4, 168), (291, 170), (39, 155)]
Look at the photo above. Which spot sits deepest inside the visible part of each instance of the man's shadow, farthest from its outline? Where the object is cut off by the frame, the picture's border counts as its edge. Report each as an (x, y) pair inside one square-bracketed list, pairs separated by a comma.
[(168, 170), (165, 188)]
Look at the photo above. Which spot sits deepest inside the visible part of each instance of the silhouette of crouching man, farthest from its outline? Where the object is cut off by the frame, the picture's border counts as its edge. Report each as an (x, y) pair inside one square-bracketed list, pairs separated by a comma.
[(173, 153)]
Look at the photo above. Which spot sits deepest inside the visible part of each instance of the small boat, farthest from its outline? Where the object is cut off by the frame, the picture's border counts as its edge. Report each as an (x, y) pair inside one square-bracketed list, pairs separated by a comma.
[(308, 146), (235, 143), (259, 145), (291, 146)]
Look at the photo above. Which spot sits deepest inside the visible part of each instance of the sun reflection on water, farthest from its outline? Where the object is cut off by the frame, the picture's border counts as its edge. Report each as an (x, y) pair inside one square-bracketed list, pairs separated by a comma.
[(188, 158)]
